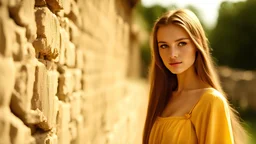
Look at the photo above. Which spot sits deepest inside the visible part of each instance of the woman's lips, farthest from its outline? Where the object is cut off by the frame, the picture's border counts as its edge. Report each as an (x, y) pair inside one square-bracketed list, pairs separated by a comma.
[(175, 63)]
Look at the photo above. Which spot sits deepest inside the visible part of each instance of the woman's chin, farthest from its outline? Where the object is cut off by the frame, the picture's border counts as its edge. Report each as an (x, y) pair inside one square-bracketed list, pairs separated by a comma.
[(176, 71)]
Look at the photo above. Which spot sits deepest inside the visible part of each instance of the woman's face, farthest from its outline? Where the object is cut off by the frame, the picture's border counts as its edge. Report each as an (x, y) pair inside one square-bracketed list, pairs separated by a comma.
[(176, 49)]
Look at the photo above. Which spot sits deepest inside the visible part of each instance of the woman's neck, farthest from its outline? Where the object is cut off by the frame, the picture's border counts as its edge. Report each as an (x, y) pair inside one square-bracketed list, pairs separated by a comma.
[(188, 80)]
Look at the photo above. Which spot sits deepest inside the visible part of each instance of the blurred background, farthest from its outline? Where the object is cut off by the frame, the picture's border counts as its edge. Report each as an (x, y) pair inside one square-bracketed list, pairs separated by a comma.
[(230, 26), (76, 71)]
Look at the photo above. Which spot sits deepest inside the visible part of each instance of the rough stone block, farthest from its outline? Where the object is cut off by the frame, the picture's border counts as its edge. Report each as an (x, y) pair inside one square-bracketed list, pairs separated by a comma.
[(50, 104), (49, 65), (34, 117), (80, 58), (67, 6), (7, 80), (20, 51), (45, 89), (48, 34), (5, 125), (40, 3), (63, 120), (7, 34), (64, 39), (46, 138), (64, 23), (31, 55), (23, 89), (75, 35), (80, 130), (19, 132), (75, 102), (9, 2), (66, 84), (73, 130), (23, 15), (74, 14), (55, 5), (70, 55), (77, 75)]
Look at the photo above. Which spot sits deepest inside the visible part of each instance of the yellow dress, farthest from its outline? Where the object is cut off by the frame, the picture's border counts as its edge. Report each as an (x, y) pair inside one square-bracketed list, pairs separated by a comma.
[(208, 122)]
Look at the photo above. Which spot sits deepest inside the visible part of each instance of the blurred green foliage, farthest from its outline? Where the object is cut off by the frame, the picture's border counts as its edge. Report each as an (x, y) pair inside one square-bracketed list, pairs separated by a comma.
[(233, 38), (150, 14), (248, 120)]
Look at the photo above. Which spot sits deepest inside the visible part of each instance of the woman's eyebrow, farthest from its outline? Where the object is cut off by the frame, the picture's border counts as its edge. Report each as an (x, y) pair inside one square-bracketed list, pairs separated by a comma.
[(181, 39), (175, 40), (161, 42)]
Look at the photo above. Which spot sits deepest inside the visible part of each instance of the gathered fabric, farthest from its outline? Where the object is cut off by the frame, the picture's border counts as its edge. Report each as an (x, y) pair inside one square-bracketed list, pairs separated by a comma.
[(208, 122)]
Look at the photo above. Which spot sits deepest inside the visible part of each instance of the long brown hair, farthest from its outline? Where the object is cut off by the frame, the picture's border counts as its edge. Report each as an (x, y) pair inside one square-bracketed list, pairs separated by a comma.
[(163, 82)]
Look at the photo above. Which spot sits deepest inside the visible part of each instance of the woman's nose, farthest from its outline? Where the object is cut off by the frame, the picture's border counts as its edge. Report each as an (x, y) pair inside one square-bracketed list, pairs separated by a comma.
[(173, 53)]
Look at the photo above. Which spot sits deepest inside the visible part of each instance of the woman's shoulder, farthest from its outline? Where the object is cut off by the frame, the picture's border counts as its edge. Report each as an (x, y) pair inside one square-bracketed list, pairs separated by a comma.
[(211, 98), (212, 102), (212, 95)]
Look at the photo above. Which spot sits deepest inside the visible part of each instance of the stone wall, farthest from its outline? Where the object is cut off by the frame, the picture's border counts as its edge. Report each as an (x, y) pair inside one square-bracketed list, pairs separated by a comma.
[(240, 86), (65, 73)]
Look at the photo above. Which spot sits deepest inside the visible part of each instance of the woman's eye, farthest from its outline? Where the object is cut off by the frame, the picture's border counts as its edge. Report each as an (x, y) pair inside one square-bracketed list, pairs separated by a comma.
[(163, 46), (182, 43)]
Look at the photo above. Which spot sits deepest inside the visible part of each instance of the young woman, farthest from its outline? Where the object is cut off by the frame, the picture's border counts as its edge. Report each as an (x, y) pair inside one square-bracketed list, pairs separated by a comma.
[(187, 104)]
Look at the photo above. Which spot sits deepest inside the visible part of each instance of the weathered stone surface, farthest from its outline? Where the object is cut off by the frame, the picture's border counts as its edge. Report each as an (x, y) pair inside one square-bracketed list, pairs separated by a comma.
[(80, 130), (64, 23), (66, 50), (74, 14), (74, 33), (55, 5), (23, 89), (50, 65), (7, 80), (34, 117), (19, 132), (23, 15), (7, 34), (77, 75), (46, 138), (64, 39), (31, 55), (73, 130), (70, 55), (75, 102), (48, 34), (63, 123), (9, 2), (66, 84), (80, 58), (39, 86), (20, 51), (39, 44), (45, 89), (40, 3), (67, 6), (5, 125)]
